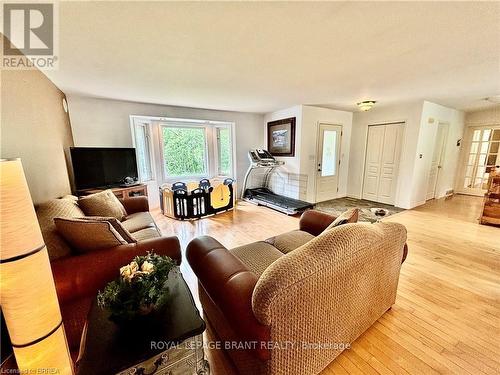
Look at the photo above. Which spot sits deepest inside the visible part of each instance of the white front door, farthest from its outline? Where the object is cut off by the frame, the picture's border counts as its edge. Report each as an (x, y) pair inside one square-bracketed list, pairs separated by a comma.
[(328, 161), (383, 149), (437, 160)]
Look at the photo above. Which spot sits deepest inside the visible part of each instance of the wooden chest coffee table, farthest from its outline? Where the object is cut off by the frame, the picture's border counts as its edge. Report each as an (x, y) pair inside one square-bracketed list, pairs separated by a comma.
[(168, 344)]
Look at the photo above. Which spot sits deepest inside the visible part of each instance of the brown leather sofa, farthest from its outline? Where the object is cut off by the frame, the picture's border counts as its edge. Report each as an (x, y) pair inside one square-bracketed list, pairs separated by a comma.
[(270, 302), (78, 277)]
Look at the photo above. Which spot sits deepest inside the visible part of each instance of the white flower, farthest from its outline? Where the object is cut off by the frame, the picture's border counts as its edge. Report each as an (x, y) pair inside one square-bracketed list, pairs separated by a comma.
[(128, 272), (147, 267), (134, 266)]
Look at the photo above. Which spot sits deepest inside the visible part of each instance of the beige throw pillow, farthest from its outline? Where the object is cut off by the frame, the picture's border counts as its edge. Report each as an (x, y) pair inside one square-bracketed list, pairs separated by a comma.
[(345, 217), (46, 212), (104, 203), (117, 225), (86, 235)]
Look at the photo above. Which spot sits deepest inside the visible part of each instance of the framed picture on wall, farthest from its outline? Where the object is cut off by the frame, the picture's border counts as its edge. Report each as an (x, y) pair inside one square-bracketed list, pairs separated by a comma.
[(281, 137)]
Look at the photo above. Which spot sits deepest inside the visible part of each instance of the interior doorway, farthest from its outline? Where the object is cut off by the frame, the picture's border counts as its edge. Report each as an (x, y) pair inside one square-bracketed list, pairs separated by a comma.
[(437, 160), (480, 154), (383, 149), (328, 161)]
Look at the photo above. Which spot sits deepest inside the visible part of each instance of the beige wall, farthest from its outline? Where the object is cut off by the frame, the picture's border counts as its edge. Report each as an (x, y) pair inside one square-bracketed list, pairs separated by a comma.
[(307, 120), (35, 128), (106, 123), (410, 114), (489, 116), (419, 139)]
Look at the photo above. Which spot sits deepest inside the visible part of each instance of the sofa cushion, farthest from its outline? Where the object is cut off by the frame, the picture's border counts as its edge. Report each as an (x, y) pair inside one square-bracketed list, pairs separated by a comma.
[(146, 234), (257, 256), (57, 247), (138, 221), (290, 241), (344, 218), (85, 235), (117, 225), (104, 203)]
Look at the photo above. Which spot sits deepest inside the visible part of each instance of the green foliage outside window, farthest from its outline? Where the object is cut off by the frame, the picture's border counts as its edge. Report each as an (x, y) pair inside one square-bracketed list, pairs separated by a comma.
[(184, 151), (224, 152)]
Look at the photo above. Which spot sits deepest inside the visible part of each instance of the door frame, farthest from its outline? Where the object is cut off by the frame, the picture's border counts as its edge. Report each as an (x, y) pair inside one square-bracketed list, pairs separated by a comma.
[(442, 158), (464, 152), (316, 158), (403, 144)]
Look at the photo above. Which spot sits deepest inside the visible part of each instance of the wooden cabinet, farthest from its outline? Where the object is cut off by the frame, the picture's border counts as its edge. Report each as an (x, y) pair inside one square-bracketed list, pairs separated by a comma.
[(491, 207), (121, 192)]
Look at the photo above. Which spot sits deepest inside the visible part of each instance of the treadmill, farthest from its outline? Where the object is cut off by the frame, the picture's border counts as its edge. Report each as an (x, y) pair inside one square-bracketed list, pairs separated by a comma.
[(263, 196)]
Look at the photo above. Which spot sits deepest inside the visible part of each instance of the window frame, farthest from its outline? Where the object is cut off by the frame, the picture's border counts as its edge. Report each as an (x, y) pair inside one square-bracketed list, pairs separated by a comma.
[(146, 124), (217, 155), (185, 125), (212, 161)]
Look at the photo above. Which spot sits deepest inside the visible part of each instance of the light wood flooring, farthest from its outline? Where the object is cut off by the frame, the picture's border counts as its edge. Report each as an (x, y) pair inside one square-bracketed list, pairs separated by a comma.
[(446, 316)]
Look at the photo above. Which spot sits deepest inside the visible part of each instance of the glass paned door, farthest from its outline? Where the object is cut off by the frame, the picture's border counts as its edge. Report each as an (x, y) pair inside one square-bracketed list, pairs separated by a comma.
[(328, 154), (329, 157), (482, 154)]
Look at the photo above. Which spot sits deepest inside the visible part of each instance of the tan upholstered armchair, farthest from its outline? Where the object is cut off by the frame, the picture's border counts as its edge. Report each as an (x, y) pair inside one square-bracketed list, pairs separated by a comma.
[(298, 313)]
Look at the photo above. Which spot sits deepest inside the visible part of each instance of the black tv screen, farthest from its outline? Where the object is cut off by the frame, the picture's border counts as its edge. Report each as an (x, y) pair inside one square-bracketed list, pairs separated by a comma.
[(102, 167)]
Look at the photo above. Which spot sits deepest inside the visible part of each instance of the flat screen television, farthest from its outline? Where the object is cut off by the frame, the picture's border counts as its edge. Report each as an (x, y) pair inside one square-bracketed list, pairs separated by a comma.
[(96, 167)]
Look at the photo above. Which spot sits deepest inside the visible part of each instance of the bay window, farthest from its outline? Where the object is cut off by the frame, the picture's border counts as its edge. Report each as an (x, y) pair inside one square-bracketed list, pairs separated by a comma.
[(187, 149)]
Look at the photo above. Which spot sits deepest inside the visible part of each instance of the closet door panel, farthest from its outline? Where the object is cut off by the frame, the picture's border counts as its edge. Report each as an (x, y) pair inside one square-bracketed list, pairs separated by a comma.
[(382, 162), (372, 162), (391, 151)]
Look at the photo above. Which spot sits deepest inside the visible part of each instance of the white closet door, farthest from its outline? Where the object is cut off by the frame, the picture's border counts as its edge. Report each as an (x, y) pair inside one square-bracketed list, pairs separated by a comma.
[(391, 151), (373, 162), (382, 162)]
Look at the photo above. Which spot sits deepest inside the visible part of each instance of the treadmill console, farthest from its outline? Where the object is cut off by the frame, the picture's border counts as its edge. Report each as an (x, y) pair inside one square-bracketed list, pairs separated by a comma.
[(260, 156)]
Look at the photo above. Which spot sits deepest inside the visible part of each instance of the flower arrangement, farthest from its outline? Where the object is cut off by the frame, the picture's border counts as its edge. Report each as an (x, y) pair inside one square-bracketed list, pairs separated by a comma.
[(139, 290)]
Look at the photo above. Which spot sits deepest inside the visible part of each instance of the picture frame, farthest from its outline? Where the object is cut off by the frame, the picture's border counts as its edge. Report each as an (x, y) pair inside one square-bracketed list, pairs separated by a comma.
[(281, 137)]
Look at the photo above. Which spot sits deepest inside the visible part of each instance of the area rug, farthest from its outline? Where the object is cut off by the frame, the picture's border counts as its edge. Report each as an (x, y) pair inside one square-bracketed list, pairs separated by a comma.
[(366, 212)]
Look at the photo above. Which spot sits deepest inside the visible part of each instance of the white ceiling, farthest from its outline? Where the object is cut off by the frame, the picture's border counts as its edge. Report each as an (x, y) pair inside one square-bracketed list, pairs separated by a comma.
[(260, 57)]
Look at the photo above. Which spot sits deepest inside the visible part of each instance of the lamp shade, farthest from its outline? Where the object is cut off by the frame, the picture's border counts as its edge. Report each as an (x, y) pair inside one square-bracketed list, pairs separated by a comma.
[(27, 291)]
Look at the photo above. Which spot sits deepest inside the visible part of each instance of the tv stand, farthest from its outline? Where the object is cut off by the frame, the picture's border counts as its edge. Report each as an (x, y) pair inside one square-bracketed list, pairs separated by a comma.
[(121, 192)]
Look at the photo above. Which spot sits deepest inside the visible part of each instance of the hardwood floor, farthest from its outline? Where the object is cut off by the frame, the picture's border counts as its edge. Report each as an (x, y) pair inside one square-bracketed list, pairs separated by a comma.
[(446, 317)]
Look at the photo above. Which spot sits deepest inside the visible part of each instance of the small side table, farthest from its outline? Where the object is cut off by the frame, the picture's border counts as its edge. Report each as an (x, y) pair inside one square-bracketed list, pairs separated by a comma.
[(169, 345)]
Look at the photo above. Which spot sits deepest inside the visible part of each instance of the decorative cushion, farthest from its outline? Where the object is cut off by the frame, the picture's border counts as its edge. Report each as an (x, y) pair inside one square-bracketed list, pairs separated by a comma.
[(57, 247), (117, 225), (257, 256), (344, 218), (104, 203), (290, 241), (87, 235), (145, 234), (138, 221)]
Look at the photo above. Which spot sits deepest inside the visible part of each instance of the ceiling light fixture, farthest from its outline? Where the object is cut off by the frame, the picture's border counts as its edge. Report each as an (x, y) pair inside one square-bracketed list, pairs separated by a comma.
[(493, 99), (366, 105)]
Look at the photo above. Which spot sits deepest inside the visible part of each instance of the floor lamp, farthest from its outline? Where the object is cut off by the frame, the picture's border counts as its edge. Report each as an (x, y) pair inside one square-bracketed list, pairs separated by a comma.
[(27, 292)]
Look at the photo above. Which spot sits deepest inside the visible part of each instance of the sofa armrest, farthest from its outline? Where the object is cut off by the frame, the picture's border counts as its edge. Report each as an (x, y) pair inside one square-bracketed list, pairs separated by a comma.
[(405, 253), (135, 204), (230, 284), (83, 275), (315, 222)]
